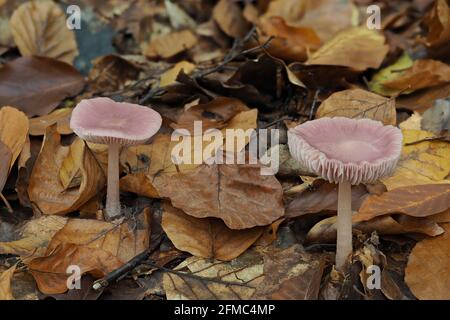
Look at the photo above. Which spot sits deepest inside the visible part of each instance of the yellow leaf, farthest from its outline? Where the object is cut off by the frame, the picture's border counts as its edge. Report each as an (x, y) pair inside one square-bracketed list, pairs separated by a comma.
[(39, 28), (45, 188), (422, 161), (60, 116), (13, 130), (5, 284), (389, 73), (170, 76), (358, 48)]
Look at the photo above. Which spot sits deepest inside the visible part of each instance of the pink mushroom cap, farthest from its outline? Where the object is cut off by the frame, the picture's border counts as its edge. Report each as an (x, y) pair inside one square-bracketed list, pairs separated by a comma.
[(102, 120), (339, 149)]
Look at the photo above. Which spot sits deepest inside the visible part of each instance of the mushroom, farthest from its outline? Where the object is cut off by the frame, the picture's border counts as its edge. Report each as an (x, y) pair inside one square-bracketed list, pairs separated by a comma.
[(116, 124), (348, 152)]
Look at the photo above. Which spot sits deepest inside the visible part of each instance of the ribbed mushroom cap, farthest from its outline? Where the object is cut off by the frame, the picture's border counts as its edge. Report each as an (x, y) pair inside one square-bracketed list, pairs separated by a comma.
[(339, 149), (102, 120)]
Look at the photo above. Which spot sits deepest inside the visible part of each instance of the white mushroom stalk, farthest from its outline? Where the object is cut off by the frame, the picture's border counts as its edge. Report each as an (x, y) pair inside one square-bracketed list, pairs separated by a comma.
[(116, 124), (347, 152)]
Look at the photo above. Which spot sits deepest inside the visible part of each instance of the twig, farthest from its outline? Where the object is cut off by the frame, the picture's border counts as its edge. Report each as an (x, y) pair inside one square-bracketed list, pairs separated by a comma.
[(5, 201), (314, 103)]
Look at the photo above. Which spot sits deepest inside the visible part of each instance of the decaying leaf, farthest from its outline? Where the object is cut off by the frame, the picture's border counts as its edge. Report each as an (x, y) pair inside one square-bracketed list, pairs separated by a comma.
[(325, 230), (208, 237), (358, 103), (13, 131), (438, 22), (36, 85), (423, 161), (5, 162), (170, 76), (5, 284), (39, 28), (358, 48), (61, 117), (416, 201), (171, 44), (322, 196), (230, 19), (45, 188), (237, 194), (34, 236), (427, 271)]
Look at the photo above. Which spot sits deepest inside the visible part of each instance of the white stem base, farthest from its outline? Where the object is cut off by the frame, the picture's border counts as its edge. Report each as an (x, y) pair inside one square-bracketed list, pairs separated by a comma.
[(113, 191), (344, 246)]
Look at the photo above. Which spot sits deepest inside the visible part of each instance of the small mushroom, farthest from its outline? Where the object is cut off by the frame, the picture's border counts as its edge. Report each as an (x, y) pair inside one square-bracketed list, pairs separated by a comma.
[(348, 152), (116, 124)]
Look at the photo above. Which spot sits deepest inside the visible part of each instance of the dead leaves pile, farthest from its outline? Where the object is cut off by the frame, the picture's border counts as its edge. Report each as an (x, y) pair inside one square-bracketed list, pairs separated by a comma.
[(223, 231)]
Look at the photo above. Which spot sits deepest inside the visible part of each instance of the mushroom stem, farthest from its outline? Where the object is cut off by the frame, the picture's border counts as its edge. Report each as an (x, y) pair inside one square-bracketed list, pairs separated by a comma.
[(344, 225), (113, 191)]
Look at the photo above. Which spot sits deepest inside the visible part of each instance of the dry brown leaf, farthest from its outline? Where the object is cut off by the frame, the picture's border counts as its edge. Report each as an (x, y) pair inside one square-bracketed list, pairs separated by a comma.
[(427, 271), (123, 240), (358, 103), (111, 72), (358, 48), (39, 28), (36, 85), (325, 17), (423, 74), (290, 274), (34, 236), (416, 201), (438, 23), (5, 284), (289, 43), (422, 161), (170, 76), (256, 274), (45, 188), (215, 280), (168, 45), (13, 131), (61, 117), (50, 271), (5, 162), (424, 99), (325, 230), (237, 194), (206, 238), (322, 196), (230, 18)]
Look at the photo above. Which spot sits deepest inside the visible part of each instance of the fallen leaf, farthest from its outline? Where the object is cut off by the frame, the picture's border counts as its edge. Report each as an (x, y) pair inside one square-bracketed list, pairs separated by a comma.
[(437, 118), (237, 194), (178, 17), (322, 196), (416, 201), (438, 23), (358, 48), (5, 284), (34, 236), (325, 230), (111, 72), (170, 76), (289, 43), (208, 237), (422, 100), (45, 188), (427, 271), (61, 117), (39, 28), (200, 279), (230, 19), (123, 240), (325, 17), (5, 163), (36, 85), (171, 44), (50, 271), (387, 74), (13, 131), (412, 123), (358, 103), (422, 161)]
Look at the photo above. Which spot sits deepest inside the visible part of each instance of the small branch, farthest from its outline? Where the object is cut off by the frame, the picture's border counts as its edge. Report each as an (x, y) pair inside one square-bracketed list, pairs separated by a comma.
[(7, 204)]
